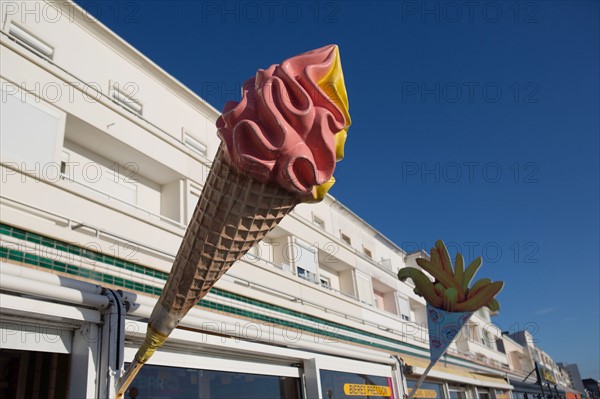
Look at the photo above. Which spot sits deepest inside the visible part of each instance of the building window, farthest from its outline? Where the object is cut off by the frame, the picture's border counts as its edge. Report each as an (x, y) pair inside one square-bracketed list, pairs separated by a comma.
[(21, 373), (473, 332), (404, 306), (345, 238), (367, 252), (487, 340), (306, 275), (194, 144), (456, 393), (325, 282), (301, 272), (305, 260), (319, 222)]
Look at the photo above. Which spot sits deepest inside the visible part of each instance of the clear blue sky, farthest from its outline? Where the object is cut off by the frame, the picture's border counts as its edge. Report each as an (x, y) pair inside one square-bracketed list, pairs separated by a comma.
[(473, 122)]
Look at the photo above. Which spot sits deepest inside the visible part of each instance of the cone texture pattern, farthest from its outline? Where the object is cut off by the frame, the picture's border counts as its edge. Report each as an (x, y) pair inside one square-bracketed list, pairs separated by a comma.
[(234, 213)]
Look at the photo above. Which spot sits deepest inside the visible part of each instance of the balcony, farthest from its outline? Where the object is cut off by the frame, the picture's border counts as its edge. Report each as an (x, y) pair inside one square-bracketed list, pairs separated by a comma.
[(384, 297), (97, 164), (475, 340)]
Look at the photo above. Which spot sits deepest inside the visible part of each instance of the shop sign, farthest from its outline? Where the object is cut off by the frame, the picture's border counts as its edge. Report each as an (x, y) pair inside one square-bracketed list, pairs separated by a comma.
[(547, 375), (367, 390), (501, 394), (424, 393), (339, 385), (427, 390)]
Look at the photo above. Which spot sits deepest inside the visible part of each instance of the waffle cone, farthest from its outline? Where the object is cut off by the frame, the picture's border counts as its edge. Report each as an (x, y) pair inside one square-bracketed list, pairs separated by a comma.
[(234, 212)]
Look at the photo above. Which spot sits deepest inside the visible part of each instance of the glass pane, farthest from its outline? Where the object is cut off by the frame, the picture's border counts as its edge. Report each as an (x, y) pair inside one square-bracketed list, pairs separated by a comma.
[(456, 394), (305, 258), (29, 374), (338, 385), (427, 390), (162, 382)]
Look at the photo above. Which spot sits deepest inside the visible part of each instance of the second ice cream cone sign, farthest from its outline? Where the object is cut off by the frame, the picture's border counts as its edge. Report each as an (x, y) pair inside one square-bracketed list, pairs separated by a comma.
[(451, 298), (280, 145)]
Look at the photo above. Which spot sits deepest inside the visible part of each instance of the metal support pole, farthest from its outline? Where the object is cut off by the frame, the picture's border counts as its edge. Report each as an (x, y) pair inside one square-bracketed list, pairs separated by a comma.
[(418, 384)]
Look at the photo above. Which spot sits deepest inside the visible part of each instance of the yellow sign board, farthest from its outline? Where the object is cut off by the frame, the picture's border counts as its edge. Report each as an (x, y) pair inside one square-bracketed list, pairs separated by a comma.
[(367, 390), (424, 393), (548, 376)]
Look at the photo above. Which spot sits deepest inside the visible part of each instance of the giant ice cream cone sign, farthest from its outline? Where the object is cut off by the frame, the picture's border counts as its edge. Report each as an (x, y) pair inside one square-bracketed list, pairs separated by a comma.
[(451, 299), (279, 147)]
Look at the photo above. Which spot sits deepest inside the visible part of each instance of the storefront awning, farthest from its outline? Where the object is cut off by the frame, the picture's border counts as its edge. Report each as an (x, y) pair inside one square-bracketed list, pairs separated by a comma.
[(548, 389), (528, 387), (456, 374)]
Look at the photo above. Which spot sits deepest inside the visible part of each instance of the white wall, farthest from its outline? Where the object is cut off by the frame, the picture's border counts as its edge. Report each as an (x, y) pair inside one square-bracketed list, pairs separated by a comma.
[(172, 200)]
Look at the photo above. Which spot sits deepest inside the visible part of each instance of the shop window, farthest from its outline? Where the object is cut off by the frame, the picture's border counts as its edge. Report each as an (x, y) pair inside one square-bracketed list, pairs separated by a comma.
[(427, 390), (20, 375), (183, 383), (502, 394), (339, 385), (457, 393)]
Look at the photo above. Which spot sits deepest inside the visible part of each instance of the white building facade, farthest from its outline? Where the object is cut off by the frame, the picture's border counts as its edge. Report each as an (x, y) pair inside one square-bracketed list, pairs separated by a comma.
[(532, 372), (104, 156)]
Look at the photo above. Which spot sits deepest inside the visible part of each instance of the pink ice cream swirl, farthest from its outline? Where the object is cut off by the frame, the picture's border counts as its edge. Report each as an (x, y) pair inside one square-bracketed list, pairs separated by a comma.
[(283, 129)]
